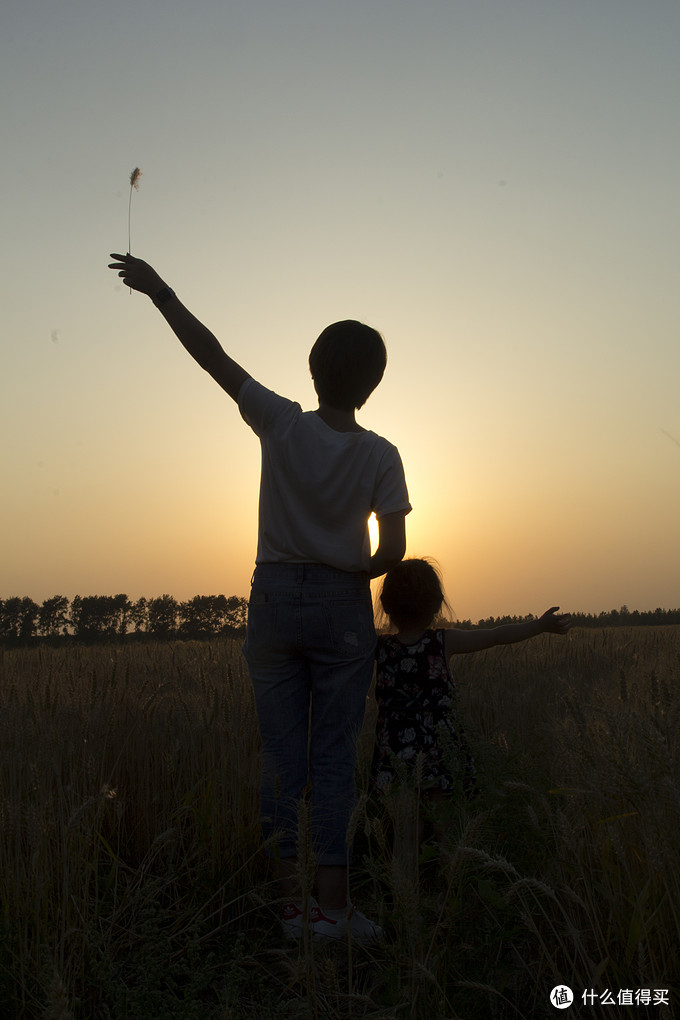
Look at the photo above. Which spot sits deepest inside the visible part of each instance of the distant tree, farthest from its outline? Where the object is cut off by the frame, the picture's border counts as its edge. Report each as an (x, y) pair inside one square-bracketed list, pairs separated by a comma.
[(78, 615), (53, 616), (120, 610), (500, 621), (139, 614), (99, 616), (623, 617), (18, 620), (236, 614), (210, 615), (202, 616), (162, 615)]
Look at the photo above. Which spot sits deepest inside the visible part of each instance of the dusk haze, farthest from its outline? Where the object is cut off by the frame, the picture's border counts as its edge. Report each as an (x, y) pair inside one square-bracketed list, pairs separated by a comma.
[(492, 186)]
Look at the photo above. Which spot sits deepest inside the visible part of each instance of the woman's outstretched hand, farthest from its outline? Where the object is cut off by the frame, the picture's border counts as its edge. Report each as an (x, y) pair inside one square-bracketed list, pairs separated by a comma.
[(554, 623), (137, 274)]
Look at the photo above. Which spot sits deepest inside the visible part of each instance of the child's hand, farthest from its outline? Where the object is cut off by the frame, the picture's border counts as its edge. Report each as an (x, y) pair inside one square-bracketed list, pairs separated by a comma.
[(137, 274), (552, 623)]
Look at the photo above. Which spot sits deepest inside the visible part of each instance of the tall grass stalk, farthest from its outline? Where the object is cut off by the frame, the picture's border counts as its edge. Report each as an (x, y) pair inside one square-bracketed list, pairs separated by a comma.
[(134, 186)]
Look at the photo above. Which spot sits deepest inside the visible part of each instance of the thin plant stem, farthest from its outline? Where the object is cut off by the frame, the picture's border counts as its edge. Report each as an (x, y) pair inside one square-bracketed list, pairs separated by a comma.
[(134, 184), (129, 222)]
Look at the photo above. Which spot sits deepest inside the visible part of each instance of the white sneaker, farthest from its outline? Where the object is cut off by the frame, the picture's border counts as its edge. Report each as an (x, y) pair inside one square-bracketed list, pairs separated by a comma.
[(292, 922), (321, 926), (352, 923)]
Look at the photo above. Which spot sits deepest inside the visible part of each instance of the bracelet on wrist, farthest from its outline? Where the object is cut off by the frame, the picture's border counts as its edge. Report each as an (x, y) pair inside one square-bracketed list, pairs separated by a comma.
[(163, 295)]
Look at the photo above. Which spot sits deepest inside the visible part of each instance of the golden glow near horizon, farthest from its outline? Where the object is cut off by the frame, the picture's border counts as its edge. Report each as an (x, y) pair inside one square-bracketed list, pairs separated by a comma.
[(373, 532), (439, 171)]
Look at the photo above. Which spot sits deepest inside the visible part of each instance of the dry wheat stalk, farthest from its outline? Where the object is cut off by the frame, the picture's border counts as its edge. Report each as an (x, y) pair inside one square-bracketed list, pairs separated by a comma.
[(134, 184)]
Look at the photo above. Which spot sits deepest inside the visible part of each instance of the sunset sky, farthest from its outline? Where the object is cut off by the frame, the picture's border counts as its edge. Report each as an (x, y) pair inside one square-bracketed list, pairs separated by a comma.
[(491, 184)]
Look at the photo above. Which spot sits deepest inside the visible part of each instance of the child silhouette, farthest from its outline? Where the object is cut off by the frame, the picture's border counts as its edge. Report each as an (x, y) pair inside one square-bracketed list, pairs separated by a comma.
[(415, 694)]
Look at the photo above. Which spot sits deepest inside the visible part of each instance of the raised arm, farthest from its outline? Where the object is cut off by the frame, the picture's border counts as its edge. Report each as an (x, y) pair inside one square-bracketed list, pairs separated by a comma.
[(458, 641), (201, 344)]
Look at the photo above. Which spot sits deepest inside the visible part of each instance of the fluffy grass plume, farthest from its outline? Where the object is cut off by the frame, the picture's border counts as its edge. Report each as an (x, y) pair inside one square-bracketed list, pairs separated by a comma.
[(134, 184)]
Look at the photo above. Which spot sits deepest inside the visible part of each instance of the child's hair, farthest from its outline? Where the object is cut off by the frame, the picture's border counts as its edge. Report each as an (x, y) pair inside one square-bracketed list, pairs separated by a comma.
[(347, 362), (412, 593)]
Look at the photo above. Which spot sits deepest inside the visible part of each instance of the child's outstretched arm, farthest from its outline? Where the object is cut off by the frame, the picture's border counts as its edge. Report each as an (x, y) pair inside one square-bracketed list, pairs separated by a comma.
[(201, 344), (551, 622)]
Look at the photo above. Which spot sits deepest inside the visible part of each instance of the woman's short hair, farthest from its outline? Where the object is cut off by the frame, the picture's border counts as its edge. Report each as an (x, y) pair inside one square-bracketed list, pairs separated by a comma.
[(347, 362)]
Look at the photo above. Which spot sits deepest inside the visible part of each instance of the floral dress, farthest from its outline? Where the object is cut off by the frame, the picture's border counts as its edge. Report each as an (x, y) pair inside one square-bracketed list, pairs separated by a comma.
[(415, 695)]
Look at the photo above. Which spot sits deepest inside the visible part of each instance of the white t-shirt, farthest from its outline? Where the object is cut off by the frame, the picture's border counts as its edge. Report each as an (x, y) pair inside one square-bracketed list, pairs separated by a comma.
[(318, 487)]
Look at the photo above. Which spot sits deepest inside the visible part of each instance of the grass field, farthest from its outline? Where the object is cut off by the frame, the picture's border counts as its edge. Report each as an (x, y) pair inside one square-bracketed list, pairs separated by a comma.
[(134, 884)]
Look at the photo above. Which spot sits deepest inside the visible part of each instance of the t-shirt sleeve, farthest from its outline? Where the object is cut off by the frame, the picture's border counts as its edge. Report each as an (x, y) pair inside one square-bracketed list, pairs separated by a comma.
[(261, 407), (391, 491)]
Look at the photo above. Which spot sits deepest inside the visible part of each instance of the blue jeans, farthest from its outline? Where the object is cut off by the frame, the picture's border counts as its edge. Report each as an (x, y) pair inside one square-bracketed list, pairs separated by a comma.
[(310, 647)]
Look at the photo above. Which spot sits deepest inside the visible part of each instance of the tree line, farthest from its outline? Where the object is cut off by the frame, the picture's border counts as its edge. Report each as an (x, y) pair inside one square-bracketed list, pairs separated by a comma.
[(92, 618), (622, 617)]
